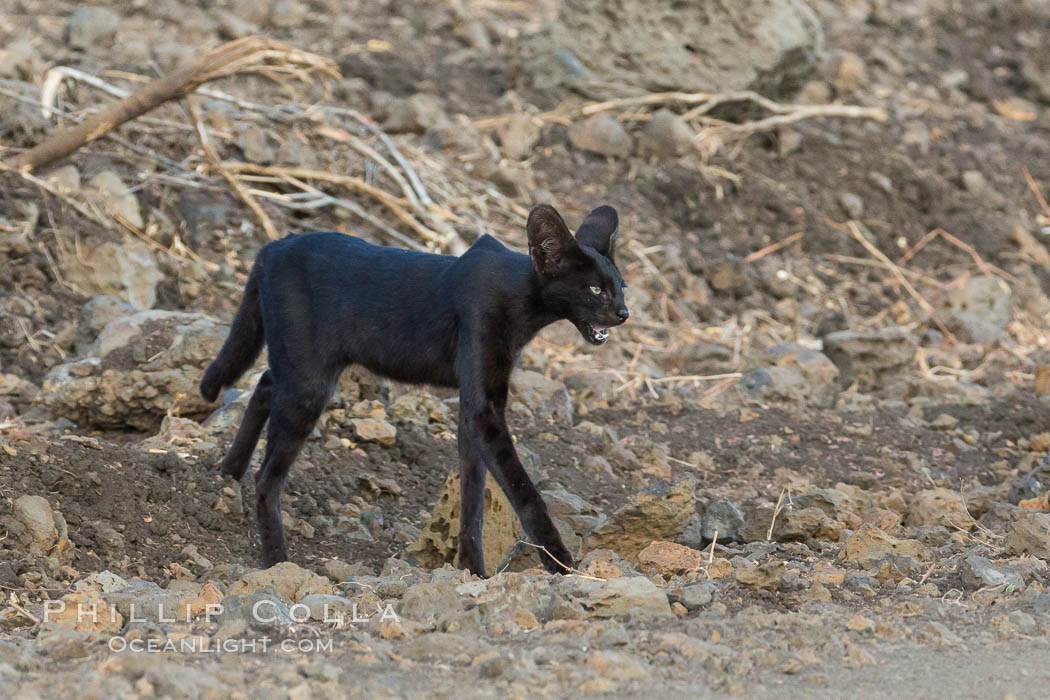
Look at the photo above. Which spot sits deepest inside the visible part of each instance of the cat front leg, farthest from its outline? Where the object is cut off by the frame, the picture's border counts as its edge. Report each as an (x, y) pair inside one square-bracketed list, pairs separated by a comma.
[(482, 421), (472, 502)]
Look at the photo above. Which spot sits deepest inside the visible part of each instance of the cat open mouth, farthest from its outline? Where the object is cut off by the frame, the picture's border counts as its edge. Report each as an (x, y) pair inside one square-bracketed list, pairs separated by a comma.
[(596, 335)]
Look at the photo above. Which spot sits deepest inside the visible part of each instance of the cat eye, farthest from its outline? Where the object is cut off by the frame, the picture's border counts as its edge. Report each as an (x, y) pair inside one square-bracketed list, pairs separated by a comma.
[(596, 290)]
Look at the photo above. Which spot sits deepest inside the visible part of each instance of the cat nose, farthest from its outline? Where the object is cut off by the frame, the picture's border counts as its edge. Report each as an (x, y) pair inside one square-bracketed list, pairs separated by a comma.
[(623, 314)]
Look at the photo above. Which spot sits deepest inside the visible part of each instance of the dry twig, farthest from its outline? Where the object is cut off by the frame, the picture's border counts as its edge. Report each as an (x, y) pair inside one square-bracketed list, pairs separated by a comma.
[(253, 54)]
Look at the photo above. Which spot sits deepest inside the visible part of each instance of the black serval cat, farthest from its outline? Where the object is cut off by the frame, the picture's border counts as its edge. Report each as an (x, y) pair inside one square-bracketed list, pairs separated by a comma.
[(322, 301)]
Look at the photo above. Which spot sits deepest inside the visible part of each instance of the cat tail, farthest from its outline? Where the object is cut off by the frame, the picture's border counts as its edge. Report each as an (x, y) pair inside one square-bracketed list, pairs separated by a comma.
[(243, 344)]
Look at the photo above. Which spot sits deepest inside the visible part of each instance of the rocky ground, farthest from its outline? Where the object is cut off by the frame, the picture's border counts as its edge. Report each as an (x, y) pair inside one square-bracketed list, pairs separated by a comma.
[(815, 462)]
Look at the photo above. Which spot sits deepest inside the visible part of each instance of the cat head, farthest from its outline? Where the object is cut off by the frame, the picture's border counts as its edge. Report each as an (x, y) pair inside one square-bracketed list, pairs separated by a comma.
[(578, 278)]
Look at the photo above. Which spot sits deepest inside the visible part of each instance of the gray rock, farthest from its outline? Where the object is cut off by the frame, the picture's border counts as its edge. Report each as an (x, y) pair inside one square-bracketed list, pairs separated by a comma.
[(128, 270), (540, 397), (255, 143), (694, 596), (847, 72), (142, 600), (692, 45), (1000, 516), (869, 356), (91, 27), (633, 595), (790, 525), (852, 204), (143, 366), (325, 607), (35, 514), (975, 182), (723, 517), (980, 309), (518, 135), (582, 515), (101, 582), (666, 135), (19, 60), (970, 328), (978, 572), (601, 134), (96, 314), (792, 372), (61, 643), (1031, 485), (65, 179), (115, 197), (287, 14), (259, 610), (691, 537), (424, 602), (1030, 534)]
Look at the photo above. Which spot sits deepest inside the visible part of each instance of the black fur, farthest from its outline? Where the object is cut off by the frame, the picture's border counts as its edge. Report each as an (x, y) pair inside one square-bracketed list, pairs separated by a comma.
[(322, 301)]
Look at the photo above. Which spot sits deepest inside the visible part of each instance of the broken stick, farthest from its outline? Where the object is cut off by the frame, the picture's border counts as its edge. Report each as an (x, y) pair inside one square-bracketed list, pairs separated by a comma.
[(253, 54)]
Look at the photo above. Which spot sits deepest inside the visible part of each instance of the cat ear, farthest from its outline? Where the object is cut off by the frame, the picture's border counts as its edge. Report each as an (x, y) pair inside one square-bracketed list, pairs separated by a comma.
[(551, 245), (598, 230)]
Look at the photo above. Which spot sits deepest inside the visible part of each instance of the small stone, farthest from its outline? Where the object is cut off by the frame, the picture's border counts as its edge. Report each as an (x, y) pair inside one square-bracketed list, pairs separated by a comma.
[(19, 60), (954, 79), (115, 197), (859, 623), (666, 135), (91, 27), (61, 643), (974, 182), (792, 372), (85, 612), (848, 73), (374, 430), (634, 595), (537, 396), (287, 14), (34, 512), (1030, 534), (814, 92), (65, 179), (790, 525), (601, 134), (289, 580), (495, 667), (761, 577), (724, 518), (881, 181), (852, 204), (939, 506), (868, 357), (868, 546), (944, 421), (669, 558), (978, 572), (728, 275), (694, 596), (518, 135), (256, 146)]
